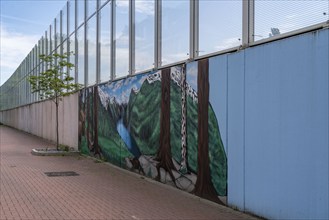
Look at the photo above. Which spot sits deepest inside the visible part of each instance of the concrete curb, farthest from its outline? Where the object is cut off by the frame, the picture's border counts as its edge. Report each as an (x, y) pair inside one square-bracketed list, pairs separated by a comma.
[(53, 152)]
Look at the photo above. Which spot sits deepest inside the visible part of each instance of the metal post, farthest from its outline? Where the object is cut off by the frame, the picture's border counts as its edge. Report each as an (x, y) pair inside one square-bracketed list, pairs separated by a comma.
[(67, 22), (68, 43), (68, 18), (50, 38), (194, 29), (157, 34), (46, 43), (113, 40), (67, 29), (60, 44), (46, 47), (61, 38), (251, 21), (55, 35), (41, 52), (97, 42), (85, 44), (248, 22), (131, 37), (75, 42)]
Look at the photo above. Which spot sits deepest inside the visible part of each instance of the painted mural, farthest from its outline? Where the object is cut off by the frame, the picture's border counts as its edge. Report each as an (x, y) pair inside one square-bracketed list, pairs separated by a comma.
[(152, 124)]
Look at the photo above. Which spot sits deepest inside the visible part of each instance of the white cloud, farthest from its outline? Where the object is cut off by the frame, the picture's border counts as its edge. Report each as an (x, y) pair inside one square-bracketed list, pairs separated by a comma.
[(174, 57), (228, 43), (122, 57), (122, 3), (144, 60), (145, 7), (14, 48)]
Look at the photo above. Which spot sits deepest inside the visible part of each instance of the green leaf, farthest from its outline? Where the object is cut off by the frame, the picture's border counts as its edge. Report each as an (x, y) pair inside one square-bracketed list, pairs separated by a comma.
[(54, 81)]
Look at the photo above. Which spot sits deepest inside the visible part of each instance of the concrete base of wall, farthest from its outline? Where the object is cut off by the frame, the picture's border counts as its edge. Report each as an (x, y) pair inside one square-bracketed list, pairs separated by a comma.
[(40, 119)]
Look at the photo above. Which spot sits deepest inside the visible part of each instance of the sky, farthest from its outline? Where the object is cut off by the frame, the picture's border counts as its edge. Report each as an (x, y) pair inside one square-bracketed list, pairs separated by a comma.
[(22, 23)]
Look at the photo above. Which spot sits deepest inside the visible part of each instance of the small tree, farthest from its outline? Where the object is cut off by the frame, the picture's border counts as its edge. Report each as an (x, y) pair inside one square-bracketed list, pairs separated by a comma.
[(55, 82)]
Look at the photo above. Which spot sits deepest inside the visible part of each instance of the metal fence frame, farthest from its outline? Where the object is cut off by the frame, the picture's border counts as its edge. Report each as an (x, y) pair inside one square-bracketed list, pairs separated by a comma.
[(16, 91)]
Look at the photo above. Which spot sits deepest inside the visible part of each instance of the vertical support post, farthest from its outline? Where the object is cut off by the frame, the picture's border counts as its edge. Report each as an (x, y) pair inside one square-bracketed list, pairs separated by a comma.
[(68, 35), (76, 52), (46, 47), (157, 34), (85, 43), (67, 28), (43, 51), (113, 40), (67, 19), (40, 52), (194, 29), (46, 43), (60, 44), (248, 15), (27, 85), (251, 21), (61, 33), (55, 35), (37, 57), (50, 38), (97, 42), (131, 37)]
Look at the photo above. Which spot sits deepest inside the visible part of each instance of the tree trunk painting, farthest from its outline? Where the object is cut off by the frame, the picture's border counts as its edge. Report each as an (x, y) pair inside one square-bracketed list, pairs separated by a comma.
[(88, 116), (97, 150), (204, 186), (164, 153), (82, 115), (91, 115), (183, 168)]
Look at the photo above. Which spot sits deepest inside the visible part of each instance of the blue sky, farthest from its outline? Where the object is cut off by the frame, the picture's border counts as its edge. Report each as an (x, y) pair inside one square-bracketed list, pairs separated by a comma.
[(22, 23)]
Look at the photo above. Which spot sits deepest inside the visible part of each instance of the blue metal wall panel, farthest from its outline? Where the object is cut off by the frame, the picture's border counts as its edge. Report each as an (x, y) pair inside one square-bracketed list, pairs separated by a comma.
[(236, 130), (286, 128)]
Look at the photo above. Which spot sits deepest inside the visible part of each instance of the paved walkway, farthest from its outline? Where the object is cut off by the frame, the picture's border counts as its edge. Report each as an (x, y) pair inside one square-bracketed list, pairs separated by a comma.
[(101, 191)]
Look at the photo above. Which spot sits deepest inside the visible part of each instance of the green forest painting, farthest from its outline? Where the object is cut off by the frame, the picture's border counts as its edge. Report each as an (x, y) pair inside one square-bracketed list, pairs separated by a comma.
[(148, 123)]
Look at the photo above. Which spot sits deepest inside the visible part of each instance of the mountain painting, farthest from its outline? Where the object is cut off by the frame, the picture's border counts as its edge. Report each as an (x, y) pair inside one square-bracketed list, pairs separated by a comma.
[(150, 124)]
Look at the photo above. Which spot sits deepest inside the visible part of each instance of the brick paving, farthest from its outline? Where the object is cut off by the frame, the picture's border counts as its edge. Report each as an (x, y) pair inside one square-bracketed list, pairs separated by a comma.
[(101, 191)]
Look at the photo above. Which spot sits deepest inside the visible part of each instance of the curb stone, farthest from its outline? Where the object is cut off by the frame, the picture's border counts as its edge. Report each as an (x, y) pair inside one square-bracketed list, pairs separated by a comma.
[(53, 152)]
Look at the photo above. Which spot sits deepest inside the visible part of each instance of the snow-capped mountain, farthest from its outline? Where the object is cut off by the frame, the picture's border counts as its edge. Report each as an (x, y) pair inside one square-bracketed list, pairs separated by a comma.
[(176, 77), (104, 98)]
